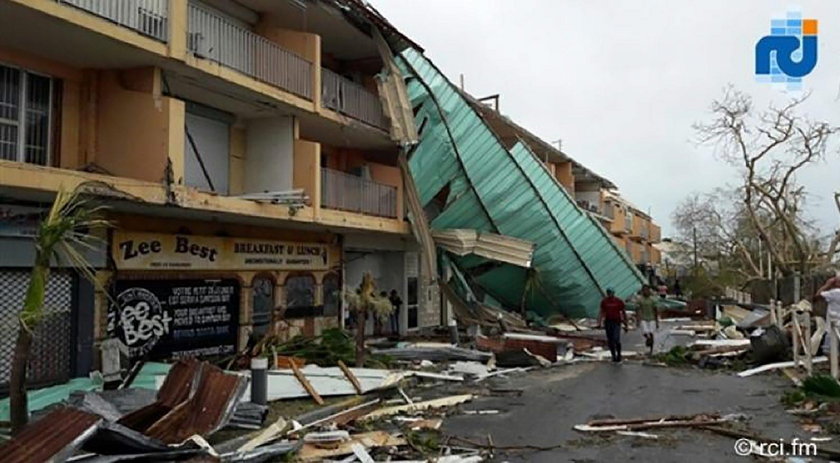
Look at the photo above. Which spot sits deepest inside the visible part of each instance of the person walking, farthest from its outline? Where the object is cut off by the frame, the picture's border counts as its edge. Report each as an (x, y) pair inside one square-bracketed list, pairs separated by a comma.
[(647, 315), (394, 297), (612, 317)]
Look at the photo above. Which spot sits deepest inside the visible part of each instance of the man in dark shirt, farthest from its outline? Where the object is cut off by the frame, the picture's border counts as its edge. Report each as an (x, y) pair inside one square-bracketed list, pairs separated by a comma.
[(612, 317)]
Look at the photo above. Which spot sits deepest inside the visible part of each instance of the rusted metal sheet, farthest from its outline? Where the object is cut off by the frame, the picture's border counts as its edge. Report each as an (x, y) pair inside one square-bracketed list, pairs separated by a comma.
[(196, 398), (54, 437), (208, 409), (177, 387)]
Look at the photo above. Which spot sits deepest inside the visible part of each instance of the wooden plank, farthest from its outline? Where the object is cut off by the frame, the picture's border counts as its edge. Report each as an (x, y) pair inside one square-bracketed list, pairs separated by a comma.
[(350, 377), (306, 384)]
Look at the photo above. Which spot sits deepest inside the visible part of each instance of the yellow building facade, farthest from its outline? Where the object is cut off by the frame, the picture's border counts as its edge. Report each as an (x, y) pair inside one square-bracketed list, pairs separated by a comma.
[(250, 131)]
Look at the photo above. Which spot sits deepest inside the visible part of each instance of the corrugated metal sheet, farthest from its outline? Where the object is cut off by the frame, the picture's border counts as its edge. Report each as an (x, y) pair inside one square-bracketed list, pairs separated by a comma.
[(500, 248), (196, 398), (54, 437), (489, 188)]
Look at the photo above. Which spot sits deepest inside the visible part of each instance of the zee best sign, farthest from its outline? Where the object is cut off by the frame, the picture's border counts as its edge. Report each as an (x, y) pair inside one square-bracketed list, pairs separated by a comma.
[(152, 251)]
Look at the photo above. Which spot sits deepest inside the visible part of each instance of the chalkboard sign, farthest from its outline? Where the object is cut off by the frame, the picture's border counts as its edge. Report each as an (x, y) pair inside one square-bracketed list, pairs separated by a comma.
[(175, 318)]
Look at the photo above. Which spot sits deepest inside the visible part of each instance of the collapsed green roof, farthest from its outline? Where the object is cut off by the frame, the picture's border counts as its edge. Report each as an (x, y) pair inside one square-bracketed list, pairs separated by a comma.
[(466, 178)]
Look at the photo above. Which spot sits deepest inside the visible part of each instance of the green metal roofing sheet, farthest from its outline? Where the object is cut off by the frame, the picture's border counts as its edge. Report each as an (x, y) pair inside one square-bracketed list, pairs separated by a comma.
[(511, 193)]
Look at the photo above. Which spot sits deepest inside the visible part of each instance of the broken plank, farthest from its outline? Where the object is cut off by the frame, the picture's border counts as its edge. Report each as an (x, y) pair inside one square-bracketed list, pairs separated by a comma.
[(430, 375), (419, 406), (351, 377), (266, 435), (306, 384), (372, 439), (775, 366), (618, 421)]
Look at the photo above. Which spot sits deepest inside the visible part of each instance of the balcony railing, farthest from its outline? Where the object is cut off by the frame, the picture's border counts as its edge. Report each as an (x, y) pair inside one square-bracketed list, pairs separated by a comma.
[(347, 192), (351, 99), (217, 38), (148, 17)]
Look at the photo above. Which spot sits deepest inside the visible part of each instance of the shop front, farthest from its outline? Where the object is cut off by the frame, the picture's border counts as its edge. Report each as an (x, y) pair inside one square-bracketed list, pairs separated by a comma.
[(63, 341), (182, 295)]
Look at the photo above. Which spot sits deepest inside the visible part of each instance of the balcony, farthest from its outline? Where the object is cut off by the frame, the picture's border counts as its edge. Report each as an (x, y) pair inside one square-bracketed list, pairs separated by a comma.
[(347, 192), (351, 99), (219, 39), (148, 17)]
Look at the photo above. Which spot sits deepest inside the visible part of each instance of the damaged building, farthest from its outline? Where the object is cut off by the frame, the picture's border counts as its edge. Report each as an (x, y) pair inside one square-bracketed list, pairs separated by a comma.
[(257, 159), (247, 155)]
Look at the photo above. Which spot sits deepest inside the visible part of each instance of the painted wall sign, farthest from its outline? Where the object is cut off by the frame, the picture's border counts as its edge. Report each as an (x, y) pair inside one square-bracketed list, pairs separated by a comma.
[(20, 221), (175, 318), (152, 251)]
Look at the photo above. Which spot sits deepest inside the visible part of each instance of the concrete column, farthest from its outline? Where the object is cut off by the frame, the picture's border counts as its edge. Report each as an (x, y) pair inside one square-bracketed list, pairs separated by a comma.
[(178, 29)]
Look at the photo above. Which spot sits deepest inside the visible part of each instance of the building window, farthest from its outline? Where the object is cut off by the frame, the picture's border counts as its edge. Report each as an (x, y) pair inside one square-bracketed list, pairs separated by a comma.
[(262, 303), (300, 291), (332, 294), (25, 116)]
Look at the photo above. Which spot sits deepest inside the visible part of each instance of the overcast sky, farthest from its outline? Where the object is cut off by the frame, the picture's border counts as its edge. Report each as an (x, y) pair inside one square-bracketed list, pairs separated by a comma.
[(622, 81)]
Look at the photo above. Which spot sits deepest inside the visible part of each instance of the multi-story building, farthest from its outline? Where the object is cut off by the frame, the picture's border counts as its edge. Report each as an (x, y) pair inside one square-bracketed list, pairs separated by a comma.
[(631, 228), (245, 156)]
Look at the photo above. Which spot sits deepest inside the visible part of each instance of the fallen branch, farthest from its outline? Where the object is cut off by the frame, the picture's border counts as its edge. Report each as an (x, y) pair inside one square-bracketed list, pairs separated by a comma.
[(491, 446)]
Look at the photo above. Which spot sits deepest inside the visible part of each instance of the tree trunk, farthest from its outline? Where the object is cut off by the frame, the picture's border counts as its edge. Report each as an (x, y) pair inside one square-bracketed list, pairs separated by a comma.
[(361, 322), (19, 406)]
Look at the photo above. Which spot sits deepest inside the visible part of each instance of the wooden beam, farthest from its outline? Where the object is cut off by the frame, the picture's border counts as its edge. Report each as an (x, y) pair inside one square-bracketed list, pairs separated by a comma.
[(306, 384), (350, 377)]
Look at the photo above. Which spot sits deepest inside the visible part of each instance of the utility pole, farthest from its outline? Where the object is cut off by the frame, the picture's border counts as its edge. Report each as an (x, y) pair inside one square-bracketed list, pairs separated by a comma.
[(694, 234)]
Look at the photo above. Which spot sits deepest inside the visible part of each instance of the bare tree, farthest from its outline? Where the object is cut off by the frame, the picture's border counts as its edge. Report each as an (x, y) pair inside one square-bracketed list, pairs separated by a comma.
[(771, 147), (716, 226)]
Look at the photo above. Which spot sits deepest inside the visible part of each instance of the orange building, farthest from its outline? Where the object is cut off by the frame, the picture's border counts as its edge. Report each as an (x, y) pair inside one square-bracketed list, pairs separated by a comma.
[(247, 152)]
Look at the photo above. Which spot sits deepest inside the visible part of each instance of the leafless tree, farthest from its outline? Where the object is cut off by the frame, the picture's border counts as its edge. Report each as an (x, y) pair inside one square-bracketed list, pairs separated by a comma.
[(770, 147), (715, 224)]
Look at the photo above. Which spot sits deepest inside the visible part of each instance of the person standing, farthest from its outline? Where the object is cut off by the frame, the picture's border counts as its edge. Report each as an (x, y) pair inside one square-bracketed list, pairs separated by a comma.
[(830, 292), (647, 315), (612, 317), (395, 315)]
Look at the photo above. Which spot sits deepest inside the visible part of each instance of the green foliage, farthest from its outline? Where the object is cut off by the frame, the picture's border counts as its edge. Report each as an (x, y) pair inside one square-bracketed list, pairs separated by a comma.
[(332, 345), (67, 230), (425, 442), (677, 356), (822, 387), (793, 398)]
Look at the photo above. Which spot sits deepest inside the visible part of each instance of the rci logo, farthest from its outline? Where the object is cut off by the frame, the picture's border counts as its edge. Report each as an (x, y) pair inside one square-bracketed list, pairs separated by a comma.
[(789, 52)]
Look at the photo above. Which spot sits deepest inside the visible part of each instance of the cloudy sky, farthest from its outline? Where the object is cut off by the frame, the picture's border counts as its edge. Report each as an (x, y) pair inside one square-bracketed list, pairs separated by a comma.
[(622, 81)]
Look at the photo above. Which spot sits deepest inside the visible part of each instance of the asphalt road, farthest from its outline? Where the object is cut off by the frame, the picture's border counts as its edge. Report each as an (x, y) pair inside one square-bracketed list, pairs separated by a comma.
[(556, 399)]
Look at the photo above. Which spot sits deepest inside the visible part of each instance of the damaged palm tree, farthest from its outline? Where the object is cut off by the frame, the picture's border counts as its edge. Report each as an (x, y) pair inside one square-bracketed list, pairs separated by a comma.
[(361, 302), (63, 235)]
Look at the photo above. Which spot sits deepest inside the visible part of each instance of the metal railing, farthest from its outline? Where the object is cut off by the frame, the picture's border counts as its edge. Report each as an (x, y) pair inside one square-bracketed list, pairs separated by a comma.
[(347, 192), (351, 99), (217, 38), (148, 17)]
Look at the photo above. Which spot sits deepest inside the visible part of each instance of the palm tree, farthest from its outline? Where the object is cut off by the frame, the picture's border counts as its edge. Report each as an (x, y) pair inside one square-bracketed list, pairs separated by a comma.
[(362, 301), (66, 231)]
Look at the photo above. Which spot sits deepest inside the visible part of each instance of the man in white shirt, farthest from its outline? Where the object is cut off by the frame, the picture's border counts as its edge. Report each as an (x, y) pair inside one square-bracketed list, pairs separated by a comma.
[(830, 291)]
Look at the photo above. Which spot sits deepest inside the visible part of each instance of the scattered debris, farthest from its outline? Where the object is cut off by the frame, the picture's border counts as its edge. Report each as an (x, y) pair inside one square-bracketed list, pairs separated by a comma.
[(310, 452), (434, 353), (419, 406)]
